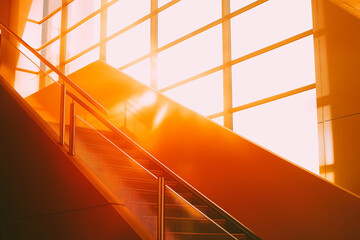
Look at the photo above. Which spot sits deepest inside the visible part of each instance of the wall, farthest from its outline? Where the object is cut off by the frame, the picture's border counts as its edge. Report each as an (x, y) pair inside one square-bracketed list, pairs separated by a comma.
[(337, 38), (271, 196), (43, 194)]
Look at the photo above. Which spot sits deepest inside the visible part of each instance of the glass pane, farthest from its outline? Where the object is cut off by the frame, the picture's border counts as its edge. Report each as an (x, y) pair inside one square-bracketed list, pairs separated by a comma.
[(185, 17), (26, 83), (269, 23), (36, 10), (25, 59), (52, 5), (36, 35), (237, 4), (21, 70), (280, 70), (46, 100), (79, 9), (42, 8), (40, 91), (54, 76), (204, 95), (163, 2), (51, 53), (123, 13), (82, 61), (219, 120), (185, 221), (129, 46), (51, 27), (83, 37), (32, 34), (287, 127), (126, 178), (191, 57), (140, 71)]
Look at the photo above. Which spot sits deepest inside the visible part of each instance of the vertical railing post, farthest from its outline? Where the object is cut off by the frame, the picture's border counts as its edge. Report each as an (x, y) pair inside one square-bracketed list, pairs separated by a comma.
[(72, 129), (125, 110), (63, 28), (154, 43), (0, 46), (103, 30), (62, 114), (161, 209), (227, 71)]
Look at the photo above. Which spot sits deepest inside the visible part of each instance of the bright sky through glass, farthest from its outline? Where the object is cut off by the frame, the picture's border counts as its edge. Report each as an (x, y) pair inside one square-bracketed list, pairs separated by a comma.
[(286, 126)]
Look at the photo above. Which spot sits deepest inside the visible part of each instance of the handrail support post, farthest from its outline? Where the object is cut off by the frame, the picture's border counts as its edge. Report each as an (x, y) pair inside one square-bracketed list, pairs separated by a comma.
[(72, 129), (62, 114), (161, 209)]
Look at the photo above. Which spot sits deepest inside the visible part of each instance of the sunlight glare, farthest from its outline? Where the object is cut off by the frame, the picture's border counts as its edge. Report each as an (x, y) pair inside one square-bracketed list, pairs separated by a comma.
[(160, 116), (146, 99), (328, 139), (279, 126), (204, 95), (249, 31), (129, 46), (26, 83), (190, 57)]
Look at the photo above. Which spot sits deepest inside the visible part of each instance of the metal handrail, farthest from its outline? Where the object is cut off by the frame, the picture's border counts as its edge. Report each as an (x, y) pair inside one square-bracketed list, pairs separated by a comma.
[(193, 190), (120, 133), (160, 179), (50, 14), (87, 18), (56, 70)]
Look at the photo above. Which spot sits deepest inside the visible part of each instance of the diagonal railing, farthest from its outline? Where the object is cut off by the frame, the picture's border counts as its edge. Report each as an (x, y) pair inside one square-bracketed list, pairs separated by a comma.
[(55, 69), (163, 188)]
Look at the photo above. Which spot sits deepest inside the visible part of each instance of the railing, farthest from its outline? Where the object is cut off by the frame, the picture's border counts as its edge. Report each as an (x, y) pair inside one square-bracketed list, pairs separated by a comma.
[(56, 70), (137, 119), (144, 209), (130, 201)]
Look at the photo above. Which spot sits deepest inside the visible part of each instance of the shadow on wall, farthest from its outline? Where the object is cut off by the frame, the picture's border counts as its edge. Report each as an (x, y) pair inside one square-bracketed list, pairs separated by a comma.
[(338, 38), (14, 15)]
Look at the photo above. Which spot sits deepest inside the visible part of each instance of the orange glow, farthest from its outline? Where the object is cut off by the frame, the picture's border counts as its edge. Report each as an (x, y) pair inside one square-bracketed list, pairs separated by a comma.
[(26, 83), (140, 71), (329, 148), (144, 100), (291, 135), (190, 57), (129, 45), (204, 96), (161, 114), (287, 127), (252, 73)]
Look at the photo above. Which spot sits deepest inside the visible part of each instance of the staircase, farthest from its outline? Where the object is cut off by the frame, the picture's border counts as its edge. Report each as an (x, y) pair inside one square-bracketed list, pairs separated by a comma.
[(122, 168), (126, 169), (276, 198)]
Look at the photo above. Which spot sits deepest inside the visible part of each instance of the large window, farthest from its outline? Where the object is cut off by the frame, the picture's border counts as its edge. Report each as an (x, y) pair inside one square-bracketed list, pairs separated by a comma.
[(247, 65)]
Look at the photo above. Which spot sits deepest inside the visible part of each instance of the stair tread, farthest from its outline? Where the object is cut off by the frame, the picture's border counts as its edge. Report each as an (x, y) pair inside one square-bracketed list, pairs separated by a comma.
[(114, 153), (144, 180), (154, 191), (136, 166), (205, 233), (108, 155), (173, 204), (104, 144)]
